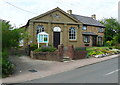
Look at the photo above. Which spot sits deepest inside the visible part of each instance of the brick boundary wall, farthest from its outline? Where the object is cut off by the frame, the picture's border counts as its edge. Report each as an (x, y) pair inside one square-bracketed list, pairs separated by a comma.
[(59, 54)]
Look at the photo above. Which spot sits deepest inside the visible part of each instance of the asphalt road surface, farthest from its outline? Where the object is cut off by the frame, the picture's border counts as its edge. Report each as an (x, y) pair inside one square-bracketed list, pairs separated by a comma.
[(103, 72)]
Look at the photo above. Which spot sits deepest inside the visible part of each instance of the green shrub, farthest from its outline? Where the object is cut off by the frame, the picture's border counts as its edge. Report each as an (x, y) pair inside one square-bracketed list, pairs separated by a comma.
[(117, 46), (33, 47), (4, 53), (92, 53), (7, 67), (108, 43), (45, 49), (99, 52)]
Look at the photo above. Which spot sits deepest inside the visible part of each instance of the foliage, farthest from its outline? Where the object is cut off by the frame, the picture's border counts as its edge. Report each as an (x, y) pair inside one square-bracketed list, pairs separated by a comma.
[(25, 35), (45, 49), (99, 50), (7, 67), (117, 46), (33, 47), (10, 36), (112, 30), (108, 43)]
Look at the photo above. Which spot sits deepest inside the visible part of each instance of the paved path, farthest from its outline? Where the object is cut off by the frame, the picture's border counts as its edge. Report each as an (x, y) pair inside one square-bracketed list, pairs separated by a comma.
[(45, 68), (103, 72)]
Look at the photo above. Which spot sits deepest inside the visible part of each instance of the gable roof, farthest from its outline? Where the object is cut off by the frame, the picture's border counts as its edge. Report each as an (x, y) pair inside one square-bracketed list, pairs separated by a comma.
[(78, 18), (87, 20), (53, 10)]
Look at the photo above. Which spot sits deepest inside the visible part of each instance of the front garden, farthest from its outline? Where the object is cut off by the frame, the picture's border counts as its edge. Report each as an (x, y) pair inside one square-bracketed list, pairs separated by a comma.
[(101, 51)]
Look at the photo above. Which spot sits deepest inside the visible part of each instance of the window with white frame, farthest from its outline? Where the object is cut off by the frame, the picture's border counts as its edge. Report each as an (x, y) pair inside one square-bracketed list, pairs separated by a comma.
[(72, 33), (39, 29), (84, 28)]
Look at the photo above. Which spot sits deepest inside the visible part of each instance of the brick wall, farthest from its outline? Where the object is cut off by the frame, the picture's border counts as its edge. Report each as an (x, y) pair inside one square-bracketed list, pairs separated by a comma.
[(59, 54)]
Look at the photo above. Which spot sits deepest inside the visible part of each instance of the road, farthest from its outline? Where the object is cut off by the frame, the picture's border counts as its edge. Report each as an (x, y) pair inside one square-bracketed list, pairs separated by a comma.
[(103, 72)]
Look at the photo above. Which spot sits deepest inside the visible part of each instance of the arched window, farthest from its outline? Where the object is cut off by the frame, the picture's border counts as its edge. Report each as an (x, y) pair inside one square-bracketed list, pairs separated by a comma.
[(72, 33), (39, 29)]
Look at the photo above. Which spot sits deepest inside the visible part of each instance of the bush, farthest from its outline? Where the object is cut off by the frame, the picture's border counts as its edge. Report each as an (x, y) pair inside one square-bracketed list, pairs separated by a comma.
[(4, 53), (108, 43), (33, 47), (92, 53), (7, 67), (45, 49), (117, 46)]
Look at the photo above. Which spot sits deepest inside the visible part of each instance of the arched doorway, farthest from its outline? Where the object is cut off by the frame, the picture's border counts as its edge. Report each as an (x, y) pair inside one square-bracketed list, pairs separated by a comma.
[(56, 36)]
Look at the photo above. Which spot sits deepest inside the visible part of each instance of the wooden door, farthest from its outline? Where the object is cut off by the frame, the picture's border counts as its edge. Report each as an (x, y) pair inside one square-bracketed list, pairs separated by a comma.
[(56, 39), (94, 41)]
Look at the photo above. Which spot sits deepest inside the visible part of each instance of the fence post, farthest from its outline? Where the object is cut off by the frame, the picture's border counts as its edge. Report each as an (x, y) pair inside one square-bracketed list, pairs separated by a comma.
[(60, 51), (70, 51)]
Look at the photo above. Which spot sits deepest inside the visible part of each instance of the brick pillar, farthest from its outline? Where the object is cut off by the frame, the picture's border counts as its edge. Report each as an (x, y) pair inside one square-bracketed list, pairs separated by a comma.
[(60, 51), (70, 51)]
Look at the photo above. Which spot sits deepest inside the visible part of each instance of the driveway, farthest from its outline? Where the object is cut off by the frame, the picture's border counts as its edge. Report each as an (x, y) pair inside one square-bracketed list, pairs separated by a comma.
[(29, 69), (103, 72)]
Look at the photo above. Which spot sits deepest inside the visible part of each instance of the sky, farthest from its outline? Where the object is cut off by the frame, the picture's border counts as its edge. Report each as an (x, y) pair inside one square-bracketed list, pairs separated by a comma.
[(18, 12)]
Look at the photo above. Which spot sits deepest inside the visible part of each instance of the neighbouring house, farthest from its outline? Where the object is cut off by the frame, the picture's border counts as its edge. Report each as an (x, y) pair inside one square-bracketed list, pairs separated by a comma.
[(65, 28)]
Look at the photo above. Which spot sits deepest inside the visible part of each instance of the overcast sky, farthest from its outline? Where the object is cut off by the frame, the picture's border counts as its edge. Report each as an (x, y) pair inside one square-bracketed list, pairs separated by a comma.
[(19, 11)]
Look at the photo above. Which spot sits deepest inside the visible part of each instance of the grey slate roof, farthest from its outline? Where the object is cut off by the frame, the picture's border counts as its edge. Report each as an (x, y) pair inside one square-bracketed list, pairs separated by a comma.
[(88, 33), (87, 20)]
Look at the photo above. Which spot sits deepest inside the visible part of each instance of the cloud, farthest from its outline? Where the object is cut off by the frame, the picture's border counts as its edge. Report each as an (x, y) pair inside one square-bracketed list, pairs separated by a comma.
[(102, 8)]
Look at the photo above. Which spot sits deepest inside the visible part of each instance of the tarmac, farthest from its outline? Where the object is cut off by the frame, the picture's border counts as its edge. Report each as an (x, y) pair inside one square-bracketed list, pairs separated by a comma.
[(28, 69)]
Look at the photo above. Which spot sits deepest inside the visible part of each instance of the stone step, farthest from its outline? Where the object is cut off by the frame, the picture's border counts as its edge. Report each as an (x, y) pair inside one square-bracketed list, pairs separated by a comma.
[(66, 59)]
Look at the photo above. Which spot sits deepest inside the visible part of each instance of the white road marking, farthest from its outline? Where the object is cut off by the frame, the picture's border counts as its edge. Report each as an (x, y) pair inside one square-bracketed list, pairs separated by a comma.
[(112, 72)]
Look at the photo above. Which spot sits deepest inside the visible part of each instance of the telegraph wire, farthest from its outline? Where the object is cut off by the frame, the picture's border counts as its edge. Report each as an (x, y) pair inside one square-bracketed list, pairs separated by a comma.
[(18, 7)]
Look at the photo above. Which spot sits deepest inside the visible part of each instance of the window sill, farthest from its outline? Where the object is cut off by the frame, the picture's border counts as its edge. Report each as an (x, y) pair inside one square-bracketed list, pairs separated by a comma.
[(86, 42), (73, 40), (100, 32)]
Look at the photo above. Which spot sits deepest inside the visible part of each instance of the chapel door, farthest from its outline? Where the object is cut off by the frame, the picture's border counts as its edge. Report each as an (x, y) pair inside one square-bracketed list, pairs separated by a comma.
[(56, 39)]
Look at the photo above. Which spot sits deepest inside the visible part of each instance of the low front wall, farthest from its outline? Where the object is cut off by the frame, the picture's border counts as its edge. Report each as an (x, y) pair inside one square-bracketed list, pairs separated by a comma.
[(51, 56), (59, 54), (80, 54)]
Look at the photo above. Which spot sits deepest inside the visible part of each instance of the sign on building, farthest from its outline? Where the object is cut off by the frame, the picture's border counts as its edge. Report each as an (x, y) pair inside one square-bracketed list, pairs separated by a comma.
[(42, 37)]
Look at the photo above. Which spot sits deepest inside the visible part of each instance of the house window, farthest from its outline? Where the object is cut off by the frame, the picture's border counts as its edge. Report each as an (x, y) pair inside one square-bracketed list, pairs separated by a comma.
[(86, 39), (84, 28), (100, 30), (39, 29), (72, 33)]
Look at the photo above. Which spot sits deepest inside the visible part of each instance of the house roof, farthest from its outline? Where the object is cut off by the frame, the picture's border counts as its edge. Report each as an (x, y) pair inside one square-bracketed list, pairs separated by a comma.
[(87, 20), (89, 33), (53, 10), (78, 18)]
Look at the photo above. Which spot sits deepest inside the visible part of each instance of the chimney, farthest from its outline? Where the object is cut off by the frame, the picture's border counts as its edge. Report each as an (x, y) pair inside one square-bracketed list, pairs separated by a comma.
[(69, 11), (93, 16)]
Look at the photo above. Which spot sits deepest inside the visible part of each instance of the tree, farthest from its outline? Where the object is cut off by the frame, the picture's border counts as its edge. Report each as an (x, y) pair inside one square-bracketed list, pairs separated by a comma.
[(10, 36), (112, 30)]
